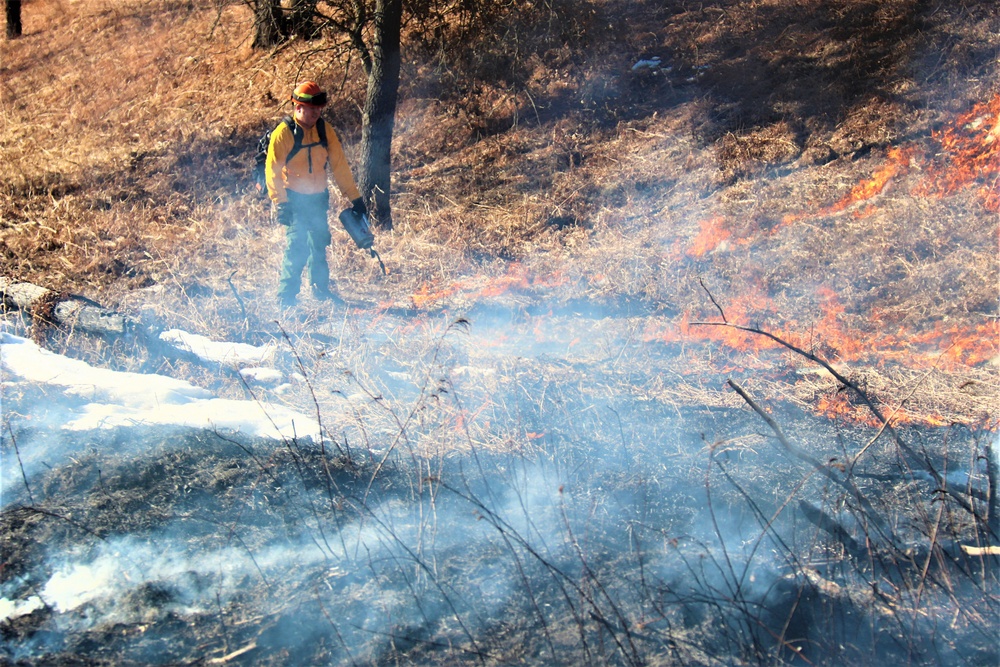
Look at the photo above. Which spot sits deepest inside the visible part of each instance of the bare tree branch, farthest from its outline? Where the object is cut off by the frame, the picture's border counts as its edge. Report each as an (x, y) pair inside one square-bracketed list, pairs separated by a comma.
[(912, 455)]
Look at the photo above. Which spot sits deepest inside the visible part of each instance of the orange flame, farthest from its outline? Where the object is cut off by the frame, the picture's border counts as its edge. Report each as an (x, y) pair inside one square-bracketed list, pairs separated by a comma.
[(839, 405), (425, 295), (942, 345), (947, 347), (897, 162), (516, 277), (965, 154), (969, 156), (712, 234)]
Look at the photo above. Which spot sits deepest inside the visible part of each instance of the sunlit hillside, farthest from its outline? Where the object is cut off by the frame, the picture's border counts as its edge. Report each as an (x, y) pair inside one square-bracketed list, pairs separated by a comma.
[(808, 165), (685, 351)]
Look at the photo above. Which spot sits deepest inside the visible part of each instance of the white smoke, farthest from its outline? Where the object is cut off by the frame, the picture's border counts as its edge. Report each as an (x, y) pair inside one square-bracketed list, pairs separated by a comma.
[(76, 397)]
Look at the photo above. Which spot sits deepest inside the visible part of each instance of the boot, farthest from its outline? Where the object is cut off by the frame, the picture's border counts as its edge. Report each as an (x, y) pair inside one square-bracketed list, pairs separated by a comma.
[(324, 294)]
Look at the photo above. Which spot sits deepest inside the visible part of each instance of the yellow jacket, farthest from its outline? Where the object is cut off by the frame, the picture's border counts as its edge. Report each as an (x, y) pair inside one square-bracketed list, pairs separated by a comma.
[(306, 172)]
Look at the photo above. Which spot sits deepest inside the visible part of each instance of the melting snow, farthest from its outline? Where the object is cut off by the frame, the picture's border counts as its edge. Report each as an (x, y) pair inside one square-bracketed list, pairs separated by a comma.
[(16, 608), (96, 398), (224, 353), (262, 375)]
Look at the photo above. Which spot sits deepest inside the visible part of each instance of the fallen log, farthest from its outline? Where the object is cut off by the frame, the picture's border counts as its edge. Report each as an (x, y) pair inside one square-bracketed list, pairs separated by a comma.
[(72, 312), (65, 310)]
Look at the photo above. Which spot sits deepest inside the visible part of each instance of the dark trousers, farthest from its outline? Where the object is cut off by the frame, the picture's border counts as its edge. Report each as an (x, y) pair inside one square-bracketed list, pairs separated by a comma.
[(307, 238)]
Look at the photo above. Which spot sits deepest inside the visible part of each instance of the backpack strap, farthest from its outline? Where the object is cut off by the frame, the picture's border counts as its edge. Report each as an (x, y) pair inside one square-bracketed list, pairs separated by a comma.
[(321, 128), (296, 136)]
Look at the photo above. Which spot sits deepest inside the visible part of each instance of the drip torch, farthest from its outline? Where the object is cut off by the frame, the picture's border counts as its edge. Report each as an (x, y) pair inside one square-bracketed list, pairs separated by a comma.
[(359, 229)]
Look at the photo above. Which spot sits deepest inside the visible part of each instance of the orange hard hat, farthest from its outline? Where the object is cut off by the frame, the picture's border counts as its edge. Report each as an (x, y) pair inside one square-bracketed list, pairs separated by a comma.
[(309, 92)]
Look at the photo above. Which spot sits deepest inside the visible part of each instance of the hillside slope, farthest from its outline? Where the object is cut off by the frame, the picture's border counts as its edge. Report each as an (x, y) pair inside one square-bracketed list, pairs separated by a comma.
[(686, 354), (817, 167)]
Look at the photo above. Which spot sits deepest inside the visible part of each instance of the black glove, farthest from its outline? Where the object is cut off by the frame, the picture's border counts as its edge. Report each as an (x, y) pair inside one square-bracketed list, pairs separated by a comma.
[(358, 206), (283, 214)]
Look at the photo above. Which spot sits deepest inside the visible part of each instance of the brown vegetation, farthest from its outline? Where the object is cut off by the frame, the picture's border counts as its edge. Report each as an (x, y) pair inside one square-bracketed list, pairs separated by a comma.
[(738, 158), (588, 184)]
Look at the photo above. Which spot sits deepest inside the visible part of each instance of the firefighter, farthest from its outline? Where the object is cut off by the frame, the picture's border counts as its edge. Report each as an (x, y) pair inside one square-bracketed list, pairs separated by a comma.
[(296, 176)]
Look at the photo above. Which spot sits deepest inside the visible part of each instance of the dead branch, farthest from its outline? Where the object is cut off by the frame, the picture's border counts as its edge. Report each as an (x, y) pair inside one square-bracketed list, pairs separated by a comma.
[(793, 449), (715, 303), (827, 524), (825, 470), (914, 459), (232, 656), (48, 308)]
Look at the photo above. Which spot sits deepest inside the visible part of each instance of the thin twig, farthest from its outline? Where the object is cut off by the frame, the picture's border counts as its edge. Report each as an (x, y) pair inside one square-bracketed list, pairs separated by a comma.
[(923, 463), (17, 451), (722, 313), (239, 299), (817, 465)]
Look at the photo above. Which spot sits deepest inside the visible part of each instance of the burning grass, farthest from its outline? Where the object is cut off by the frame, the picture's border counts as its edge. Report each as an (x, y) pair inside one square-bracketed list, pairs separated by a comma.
[(531, 452), (594, 194)]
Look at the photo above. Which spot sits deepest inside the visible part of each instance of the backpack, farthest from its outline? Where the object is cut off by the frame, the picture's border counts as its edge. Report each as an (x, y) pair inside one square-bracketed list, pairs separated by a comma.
[(260, 157)]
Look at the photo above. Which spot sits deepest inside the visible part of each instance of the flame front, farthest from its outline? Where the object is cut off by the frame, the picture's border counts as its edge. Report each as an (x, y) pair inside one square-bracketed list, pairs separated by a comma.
[(943, 345), (712, 234), (516, 277), (968, 156), (897, 163), (964, 155)]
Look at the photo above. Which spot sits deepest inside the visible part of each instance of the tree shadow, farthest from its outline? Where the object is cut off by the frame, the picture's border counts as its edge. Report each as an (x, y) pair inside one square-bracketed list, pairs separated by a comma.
[(778, 82)]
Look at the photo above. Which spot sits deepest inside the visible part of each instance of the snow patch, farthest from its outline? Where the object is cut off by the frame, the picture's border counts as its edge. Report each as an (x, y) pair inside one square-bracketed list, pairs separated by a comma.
[(97, 398), (262, 375), (230, 355)]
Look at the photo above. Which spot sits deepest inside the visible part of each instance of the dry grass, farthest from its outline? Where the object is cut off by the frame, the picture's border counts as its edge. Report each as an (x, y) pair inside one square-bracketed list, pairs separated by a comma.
[(127, 127), (796, 165)]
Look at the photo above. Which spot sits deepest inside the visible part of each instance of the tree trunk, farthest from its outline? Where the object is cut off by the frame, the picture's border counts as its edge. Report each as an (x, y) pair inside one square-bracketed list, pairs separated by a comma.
[(13, 18), (380, 112), (268, 25), (993, 497)]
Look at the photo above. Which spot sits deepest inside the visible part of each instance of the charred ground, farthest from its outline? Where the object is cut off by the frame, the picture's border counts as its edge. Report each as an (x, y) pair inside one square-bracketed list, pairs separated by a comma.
[(568, 479)]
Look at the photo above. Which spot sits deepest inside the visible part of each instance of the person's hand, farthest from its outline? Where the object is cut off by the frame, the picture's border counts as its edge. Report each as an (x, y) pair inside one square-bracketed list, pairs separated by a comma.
[(283, 214), (358, 206)]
